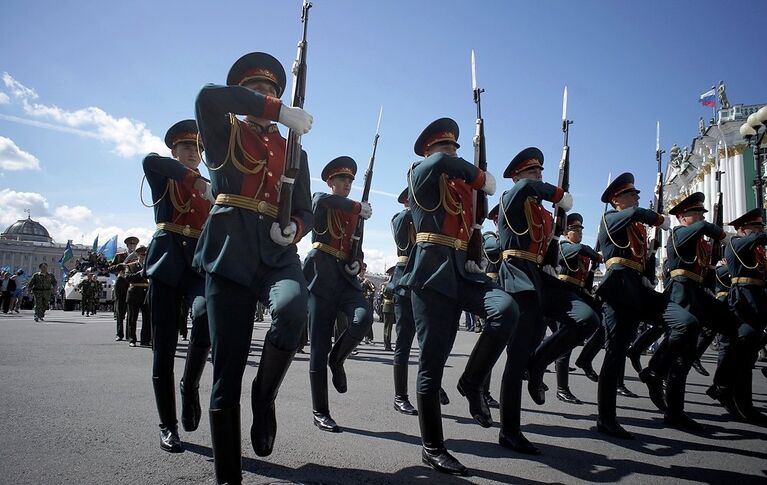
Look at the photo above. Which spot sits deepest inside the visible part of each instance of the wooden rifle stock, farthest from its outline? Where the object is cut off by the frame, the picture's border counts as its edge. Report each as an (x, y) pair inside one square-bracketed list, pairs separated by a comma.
[(475, 250)]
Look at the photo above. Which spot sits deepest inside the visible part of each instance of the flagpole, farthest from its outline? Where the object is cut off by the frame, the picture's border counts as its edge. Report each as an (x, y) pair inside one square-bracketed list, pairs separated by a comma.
[(716, 100)]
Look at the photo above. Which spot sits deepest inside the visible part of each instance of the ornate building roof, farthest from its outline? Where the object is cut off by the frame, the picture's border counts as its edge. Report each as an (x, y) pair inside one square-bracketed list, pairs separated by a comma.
[(27, 230)]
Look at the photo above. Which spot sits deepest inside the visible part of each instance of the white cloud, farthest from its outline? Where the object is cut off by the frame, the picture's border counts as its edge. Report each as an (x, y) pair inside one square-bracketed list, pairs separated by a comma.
[(17, 89), (14, 158), (77, 213), (128, 137), (78, 223), (4, 99)]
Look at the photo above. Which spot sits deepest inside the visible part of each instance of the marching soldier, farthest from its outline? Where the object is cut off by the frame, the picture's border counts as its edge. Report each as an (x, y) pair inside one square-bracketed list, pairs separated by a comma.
[(443, 282), (245, 254), (180, 209), (120, 288), (334, 286), (404, 239), (138, 286), (628, 300), (528, 275), (747, 263), (576, 260), (42, 285), (689, 257), (369, 291)]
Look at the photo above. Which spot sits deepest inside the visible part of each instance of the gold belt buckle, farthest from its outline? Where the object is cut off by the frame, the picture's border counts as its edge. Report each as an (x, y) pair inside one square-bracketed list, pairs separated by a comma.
[(262, 207), (457, 243), (186, 230)]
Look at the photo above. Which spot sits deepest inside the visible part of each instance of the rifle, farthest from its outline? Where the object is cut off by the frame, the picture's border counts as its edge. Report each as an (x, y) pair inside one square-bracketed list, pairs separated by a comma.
[(560, 222), (657, 203), (718, 218), (358, 232), (474, 251), (293, 145)]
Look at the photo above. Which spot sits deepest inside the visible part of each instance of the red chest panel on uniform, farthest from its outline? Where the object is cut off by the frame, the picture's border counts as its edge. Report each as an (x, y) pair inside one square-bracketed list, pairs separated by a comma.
[(541, 226), (459, 198), (344, 225), (703, 256), (583, 268), (638, 242), (194, 209), (267, 147)]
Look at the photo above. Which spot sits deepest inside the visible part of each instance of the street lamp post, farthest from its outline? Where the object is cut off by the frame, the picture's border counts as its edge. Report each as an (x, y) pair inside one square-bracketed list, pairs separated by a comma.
[(754, 130)]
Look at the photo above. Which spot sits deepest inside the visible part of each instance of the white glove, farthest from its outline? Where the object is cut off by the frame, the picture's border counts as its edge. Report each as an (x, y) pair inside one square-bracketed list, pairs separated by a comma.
[(296, 119), (352, 269), (471, 266), (208, 194), (283, 238), (489, 187), (666, 224), (366, 210), (549, 270), (566, 203)]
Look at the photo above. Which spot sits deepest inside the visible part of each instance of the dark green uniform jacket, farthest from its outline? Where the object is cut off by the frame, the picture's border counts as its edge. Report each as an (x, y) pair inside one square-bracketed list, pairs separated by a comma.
[(235, 242), (404, 238)]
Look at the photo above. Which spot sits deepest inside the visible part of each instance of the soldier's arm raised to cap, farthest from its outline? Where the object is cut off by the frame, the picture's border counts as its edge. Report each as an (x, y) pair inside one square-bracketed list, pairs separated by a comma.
[(212, 108), (691, 233)]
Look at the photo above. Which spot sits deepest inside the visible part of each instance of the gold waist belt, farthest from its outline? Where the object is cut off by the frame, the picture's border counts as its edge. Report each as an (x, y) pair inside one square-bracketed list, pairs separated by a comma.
[(625, 262), (255, 205), (179, 229), (687, 274), (442, 240), (526, 255), (492, 275), (403, 259), (327, 248), (139, 285), (721, 294), (745, 280), (571, 280)]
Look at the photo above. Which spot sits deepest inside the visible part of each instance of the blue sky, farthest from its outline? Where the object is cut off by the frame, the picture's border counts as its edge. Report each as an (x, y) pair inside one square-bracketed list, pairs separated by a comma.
[(89, 88)]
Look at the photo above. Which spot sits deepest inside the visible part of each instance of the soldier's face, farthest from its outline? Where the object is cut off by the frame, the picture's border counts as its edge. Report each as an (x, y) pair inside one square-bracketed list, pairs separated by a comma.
[(625, 200), (264, 87), (532, 173), (186, 153), (691, 217), (575, 234), (131, 247), (341, 185)]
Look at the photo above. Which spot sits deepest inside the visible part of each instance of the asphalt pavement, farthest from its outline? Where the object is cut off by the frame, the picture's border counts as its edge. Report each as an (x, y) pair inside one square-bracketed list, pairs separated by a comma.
[(78, 408)]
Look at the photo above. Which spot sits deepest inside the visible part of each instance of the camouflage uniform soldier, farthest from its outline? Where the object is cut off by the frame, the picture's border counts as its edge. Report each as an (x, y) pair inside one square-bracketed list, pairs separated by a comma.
[(42, 285), (87, 288)]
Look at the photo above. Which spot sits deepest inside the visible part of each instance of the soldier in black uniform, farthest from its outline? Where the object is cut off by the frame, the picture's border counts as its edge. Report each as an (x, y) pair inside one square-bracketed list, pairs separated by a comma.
[(747, 263), (180, 200), (334, 286), (245, 254), (577, 262), (526, 229), (628, 299), (689, 259), (443, 282)]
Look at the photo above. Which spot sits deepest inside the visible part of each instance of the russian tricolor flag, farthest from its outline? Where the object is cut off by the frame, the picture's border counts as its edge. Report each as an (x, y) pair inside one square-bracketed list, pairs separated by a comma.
[(708, 98)]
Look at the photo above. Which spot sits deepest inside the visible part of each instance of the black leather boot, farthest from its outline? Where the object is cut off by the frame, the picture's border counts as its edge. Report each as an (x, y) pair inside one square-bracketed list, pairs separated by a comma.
[(654, 387), (225, 437), (674, 415), (491, 402), (606, 403), (165, 397), (472, 382), (510, 435), (318, 381), (338, 354), (434, 452), (196, 357), (642, 343), (401, 401), (272, 368)]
